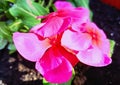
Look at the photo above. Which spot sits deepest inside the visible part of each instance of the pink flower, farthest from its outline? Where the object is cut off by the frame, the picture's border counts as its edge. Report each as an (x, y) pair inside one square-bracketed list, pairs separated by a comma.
[(43, 44), (60, 20), (91, 44), (60, 40), (52, 60), (60, 5)]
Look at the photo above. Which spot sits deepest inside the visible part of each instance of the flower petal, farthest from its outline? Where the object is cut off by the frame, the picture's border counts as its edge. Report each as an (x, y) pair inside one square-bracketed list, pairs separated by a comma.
[(54, 26), (100, 40), (75, 41), (53, 65), (104, 42), (76, 13), (105, 46), (94, 57), (78, 16), (29, 46), (71, 57), (63, 5), (36, 28), (80, 19)]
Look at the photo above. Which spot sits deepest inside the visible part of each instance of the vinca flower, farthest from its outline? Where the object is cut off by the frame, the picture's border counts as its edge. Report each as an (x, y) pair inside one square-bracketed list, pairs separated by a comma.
[(61, 40), (52, 60), (90, 42), (61, 19)]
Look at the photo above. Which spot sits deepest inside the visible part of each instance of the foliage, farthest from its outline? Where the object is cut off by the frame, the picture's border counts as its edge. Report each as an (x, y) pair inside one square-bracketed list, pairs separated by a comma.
[(112, 45), (19, 15), (25, 21)]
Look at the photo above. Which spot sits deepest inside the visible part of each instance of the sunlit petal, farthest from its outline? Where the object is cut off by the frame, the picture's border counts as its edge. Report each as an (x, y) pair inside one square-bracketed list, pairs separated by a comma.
[(36, 28), (29, 46), (70, 56), (53, 65), (75, 41), (53, 26), (63, 5), (94, 57)]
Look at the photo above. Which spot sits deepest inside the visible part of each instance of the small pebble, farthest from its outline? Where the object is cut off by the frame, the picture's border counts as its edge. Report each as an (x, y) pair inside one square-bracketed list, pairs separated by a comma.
[(11, 60), (111, 34)]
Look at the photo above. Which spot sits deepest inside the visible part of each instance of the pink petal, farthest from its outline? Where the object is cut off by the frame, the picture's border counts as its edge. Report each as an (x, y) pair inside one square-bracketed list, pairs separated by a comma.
[(78, 16), (53, 26), (80, 19), (71, 57), (75, 41), (84, 12), (101, 40), (63, 5), (94, 57), (29, 46), (76, 13), (105, 46), (36, 28), (53, 65), (65, 24), (77, 23), (96, 29)]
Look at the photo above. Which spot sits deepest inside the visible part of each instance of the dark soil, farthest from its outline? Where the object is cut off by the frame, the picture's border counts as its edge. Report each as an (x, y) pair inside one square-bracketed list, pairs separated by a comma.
[(14, 70), (108, 19)]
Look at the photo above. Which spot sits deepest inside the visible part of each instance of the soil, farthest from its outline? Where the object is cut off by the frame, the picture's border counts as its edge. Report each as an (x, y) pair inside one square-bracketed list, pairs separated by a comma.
[(108, 19), (14, 70)]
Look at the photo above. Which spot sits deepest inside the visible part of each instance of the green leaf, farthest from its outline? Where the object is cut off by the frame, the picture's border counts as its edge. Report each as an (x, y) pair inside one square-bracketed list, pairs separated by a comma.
[(27, 11), (54, 8), (3, 42), (49, 3), (32, 7), (41, 10), (4, 5), (4, 31), (15, 26), (83, 3), (11, 48), (12, 1), (112, 45), (1, 10), (41, 2)]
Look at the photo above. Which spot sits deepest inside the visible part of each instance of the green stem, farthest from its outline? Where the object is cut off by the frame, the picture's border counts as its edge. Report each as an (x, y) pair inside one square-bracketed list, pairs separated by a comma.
[(49, 4)]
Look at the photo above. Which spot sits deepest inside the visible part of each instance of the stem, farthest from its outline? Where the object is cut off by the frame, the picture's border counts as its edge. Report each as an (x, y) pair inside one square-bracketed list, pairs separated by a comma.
[(49, 4)]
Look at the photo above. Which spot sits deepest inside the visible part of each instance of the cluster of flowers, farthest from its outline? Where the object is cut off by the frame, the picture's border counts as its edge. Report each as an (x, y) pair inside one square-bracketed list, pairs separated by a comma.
[(64, 38)]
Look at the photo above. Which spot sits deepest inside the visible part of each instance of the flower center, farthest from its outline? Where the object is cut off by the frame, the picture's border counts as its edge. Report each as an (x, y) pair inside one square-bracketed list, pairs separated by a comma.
[(94, 36), (55, 40)]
